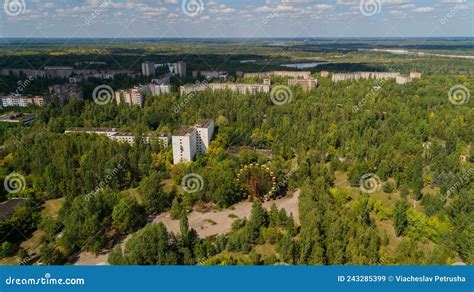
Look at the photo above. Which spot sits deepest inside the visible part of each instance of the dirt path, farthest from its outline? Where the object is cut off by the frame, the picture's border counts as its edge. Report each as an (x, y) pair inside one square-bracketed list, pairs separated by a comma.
[(219, 222), (206, 224)]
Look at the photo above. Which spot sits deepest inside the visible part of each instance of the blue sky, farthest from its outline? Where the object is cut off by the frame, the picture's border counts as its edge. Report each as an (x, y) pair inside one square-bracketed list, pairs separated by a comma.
[(238, 18)]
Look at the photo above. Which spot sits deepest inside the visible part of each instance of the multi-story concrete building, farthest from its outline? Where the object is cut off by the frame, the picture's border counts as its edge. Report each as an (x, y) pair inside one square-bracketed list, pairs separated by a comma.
[(22, 101), (159, 89), (58, 71), (236, 87), (292, 74), (205, 131), (179, 68), (221, 75), (184, 144), (399, 78), (65, 92), (125, 137), (148, 69), (109, 132), (133, 96), (324, 73), (306, 84), (187, 141)]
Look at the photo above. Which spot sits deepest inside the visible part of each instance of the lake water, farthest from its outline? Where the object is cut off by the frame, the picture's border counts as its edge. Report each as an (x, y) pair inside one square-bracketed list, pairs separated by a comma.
[(304, 65)]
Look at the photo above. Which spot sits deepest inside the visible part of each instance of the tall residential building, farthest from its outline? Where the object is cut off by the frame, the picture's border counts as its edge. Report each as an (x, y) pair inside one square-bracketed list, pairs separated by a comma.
[(133, 96), (184, 144), (179, 68), (205, 131), (148, 69), (187, 141)]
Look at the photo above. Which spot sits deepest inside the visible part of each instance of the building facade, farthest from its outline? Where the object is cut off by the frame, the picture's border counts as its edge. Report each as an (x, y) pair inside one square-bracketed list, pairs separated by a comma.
[(133, 96), (184, 144), (306, 84), (22, 101), (187, 141), (148, 69)]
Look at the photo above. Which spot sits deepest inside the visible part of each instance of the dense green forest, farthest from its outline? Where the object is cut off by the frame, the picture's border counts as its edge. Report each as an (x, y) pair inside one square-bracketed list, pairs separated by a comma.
[(322, 142)]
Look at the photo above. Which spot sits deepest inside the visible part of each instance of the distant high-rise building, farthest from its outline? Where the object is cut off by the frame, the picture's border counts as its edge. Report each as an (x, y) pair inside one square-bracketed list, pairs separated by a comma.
[(148, 69), (306, 84), (133, 96), (179, 68), (65, 92)]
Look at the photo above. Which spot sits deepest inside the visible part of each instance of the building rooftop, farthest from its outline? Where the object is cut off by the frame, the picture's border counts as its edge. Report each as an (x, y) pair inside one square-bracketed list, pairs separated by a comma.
[(184, 131), (205, 123), (92, 130)]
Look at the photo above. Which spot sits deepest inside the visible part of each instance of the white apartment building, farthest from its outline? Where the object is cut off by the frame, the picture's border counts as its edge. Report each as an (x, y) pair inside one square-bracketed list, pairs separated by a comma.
[(205, 131), (22, 101), (184, 144), (241, 88), (109, 132), (187, 141), (159, 89)]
